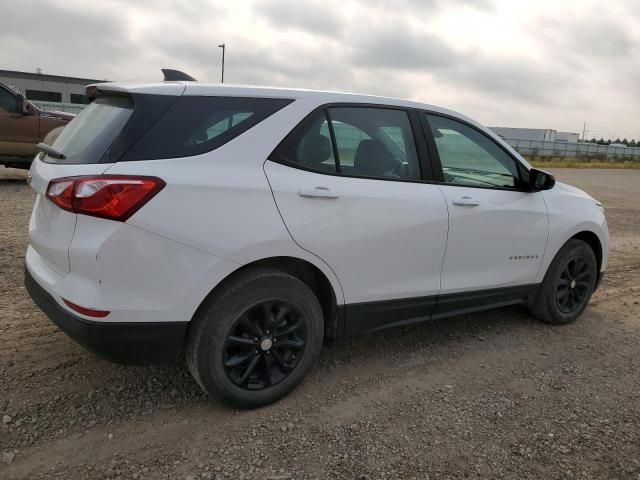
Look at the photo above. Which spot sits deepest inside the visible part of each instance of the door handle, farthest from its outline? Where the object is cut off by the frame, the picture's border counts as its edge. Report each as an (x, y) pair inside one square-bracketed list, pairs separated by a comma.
[(317, 192), (466, 201)]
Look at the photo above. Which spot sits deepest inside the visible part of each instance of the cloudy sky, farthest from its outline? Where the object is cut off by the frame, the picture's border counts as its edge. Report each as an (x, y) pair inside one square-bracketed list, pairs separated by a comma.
[(539, 63)]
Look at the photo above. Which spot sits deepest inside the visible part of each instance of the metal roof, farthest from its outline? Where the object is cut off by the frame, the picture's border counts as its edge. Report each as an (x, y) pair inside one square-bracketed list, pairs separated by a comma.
[(47, 77)]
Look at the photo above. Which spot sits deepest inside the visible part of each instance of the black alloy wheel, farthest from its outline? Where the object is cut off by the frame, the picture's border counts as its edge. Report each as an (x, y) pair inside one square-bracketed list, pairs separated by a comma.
[(264, 345), (568, 284), (255, 338), (574, 285)]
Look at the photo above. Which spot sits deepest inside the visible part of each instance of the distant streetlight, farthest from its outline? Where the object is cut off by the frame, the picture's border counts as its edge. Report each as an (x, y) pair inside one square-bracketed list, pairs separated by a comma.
[(222, 46)]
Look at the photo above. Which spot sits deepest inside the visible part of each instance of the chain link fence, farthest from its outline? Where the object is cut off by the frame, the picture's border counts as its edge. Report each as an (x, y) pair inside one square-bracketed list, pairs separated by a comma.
[(537, 148)]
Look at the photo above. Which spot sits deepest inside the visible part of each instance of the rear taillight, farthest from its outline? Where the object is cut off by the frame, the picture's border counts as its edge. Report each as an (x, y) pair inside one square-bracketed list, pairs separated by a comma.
[(115, 197)]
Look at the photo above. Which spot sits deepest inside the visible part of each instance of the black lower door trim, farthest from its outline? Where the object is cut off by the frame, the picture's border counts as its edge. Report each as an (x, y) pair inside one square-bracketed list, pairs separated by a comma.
[(367, 317), (465, 302), (361, 318)]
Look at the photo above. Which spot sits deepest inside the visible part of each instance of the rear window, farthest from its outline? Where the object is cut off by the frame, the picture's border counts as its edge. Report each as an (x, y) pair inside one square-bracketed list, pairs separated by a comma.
[(195, 125), (88, 136)]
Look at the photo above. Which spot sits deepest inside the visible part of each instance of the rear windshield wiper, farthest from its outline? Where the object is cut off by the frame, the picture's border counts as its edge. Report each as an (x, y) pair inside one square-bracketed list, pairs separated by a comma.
[(49, 150)]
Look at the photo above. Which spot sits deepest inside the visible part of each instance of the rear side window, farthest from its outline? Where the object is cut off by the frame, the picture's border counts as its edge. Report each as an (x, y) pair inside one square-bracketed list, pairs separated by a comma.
[(88, 136), (368, 142), (195, 125), (314, 149)]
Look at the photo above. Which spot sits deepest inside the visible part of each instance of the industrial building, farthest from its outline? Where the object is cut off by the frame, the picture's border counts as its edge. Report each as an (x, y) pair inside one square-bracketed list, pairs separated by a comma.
[(535, 134), (538, 142), (50, 92)]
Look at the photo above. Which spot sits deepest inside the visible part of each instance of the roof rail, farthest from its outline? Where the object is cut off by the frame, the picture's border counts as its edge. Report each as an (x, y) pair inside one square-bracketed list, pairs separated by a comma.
[(171, 75)]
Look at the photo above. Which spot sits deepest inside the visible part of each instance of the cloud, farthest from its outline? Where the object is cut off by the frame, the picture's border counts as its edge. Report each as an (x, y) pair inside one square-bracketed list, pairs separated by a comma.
[(420, 5), (39, 30), (400, 48), (313, 17), (586, 35), (533, 62)]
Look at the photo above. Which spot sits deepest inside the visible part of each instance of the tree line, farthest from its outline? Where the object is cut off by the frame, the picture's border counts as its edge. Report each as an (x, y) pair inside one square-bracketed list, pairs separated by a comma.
[(624, 141)]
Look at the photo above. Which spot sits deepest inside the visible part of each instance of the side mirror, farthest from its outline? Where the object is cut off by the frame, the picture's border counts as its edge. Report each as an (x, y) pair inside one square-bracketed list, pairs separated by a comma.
[(540, 180), (21, 105)]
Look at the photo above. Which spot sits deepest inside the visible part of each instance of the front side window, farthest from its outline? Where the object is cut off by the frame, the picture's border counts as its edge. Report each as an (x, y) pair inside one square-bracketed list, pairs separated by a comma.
[(7, 101), (470, 158), (370, 142)]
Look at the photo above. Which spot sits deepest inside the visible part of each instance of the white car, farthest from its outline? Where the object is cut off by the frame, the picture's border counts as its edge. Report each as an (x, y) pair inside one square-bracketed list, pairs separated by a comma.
[(243, 225)]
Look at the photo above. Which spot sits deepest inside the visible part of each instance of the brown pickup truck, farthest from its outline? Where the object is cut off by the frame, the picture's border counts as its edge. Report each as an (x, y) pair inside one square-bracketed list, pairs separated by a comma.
[(23, 126)]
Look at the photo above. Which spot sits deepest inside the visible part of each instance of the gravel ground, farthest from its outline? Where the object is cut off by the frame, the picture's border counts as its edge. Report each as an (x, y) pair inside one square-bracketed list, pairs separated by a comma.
[(488, 395)]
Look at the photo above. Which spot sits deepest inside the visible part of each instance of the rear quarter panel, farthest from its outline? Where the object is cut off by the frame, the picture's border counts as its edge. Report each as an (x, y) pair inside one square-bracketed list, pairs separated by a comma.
[(221, 203)]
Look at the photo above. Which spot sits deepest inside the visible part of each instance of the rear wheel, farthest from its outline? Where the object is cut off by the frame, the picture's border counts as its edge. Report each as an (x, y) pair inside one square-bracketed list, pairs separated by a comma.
[(568, 284), (256, 338)]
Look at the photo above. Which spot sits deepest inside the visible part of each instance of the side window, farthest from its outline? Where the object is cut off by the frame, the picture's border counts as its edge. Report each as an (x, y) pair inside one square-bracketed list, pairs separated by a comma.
[(395, 134), (313, 149), (370, 142), (375, 142), (470, 158), (218, 123), (348, 139), (194, 125), (7, 101)]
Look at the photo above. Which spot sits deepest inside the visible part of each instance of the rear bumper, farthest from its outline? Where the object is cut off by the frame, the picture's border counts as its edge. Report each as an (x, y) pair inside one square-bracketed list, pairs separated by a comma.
[(135, 343)]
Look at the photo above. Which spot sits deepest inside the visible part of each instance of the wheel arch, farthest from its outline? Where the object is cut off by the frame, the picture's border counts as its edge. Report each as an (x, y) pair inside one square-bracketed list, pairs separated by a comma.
[(591, 238), (306, 272), (593, 241)]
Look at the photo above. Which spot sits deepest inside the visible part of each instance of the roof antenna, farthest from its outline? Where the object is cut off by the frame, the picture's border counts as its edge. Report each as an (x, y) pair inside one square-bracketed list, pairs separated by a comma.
[(171, 75)]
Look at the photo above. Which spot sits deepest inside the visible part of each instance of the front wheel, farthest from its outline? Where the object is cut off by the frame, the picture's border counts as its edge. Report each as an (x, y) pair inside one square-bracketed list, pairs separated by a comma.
[(568, 284), (256, 338)]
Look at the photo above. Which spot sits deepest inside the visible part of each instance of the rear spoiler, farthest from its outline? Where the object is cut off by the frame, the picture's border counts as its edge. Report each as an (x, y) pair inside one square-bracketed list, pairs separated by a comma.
[(115, 88)]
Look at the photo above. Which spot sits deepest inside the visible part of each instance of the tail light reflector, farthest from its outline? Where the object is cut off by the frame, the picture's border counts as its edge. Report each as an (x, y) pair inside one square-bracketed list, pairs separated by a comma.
[(115, 197), (89, 312)]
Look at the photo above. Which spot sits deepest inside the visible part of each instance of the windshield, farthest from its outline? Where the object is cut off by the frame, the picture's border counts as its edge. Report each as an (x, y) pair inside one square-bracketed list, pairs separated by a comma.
[(88, 136)]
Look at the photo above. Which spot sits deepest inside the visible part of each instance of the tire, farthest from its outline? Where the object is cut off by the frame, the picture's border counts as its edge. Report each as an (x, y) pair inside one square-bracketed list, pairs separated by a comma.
[(567, 286), (231, 332)]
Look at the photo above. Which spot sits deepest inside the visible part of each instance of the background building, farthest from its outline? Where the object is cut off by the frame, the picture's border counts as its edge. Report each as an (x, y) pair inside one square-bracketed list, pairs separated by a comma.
[(535, 134), (538, 142), (50, 92), (567, 137)]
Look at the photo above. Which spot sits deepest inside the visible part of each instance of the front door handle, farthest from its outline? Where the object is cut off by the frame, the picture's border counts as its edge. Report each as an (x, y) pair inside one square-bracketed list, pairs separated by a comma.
[(317, 192), (466, 201)]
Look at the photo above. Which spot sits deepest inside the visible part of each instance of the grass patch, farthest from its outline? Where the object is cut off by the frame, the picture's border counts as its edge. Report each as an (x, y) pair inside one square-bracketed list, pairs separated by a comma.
[(581, 162)]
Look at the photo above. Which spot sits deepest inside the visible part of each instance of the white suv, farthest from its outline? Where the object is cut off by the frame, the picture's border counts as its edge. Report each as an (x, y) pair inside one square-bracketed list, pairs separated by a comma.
[(244, 225)]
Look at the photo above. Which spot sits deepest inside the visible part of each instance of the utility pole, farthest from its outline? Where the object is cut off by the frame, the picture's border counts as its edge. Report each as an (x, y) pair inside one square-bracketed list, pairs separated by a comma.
[(584, 129), (222, 46)]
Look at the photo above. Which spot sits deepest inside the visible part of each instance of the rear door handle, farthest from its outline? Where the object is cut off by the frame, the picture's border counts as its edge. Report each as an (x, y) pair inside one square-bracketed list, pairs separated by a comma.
[(317, 192), (466, 201)]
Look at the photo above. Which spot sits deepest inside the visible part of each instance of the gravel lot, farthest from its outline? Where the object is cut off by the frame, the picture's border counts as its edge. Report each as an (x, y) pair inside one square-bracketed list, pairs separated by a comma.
[(488, 395)]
